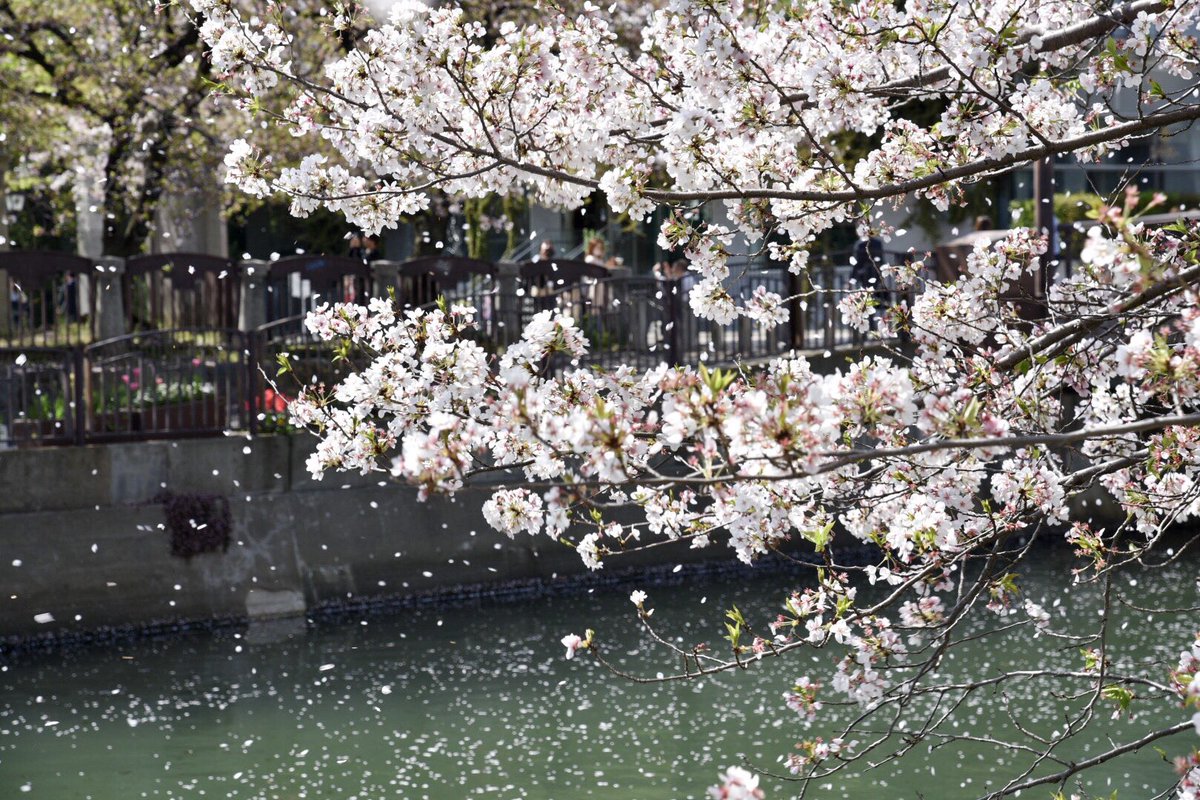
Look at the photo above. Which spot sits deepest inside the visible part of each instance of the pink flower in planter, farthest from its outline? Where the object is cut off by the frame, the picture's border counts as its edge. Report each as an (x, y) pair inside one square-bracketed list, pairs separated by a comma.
[(132, 378)]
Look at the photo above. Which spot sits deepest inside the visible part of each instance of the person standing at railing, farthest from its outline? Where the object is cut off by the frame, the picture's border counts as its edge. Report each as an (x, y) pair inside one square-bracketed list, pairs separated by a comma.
[(866, 272), (594, 295), (366, 249), (674, 282), (20, 304), (69, 297), (596, 251)]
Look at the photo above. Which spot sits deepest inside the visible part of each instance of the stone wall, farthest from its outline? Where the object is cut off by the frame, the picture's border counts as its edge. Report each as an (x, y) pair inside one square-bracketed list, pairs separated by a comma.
[(84, 545), (83, 538)]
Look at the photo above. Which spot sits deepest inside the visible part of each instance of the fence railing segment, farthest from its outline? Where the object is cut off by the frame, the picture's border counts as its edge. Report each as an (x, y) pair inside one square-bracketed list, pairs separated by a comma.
[(40, 400), (49, 299), (172, 383), (180, 290), (207, 378), (298, 284)]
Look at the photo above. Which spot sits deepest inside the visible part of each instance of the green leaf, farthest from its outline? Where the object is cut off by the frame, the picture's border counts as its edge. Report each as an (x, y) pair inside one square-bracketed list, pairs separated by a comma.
[(819, 536), (1119, 695), (735, 634)]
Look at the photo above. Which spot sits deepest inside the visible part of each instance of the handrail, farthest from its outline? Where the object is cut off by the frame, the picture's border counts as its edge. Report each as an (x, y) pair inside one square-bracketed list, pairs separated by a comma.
[(212, 382), (280, 323), (162, 333), (201, 262)]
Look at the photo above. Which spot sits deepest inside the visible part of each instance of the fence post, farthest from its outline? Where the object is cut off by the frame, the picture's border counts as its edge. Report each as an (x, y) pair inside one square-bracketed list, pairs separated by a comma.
[(638, 306), (829, 304), (253, 396), (798, 307), (508, 311), (252, 311), (81, 397), (110, 306), (672, 320), (386, 275), (746, 338)]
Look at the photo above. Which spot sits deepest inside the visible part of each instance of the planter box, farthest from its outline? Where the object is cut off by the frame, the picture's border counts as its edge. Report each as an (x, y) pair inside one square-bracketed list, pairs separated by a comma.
[(35, 432), (201, 414), (116, 422)]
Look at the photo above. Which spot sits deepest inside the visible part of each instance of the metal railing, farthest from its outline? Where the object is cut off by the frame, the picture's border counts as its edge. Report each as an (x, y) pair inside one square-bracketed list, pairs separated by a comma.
[(201, 381), (297, 284), (180, 290), (154, 384), (49, 299), (40, 397), (644, 321), (185, 382)]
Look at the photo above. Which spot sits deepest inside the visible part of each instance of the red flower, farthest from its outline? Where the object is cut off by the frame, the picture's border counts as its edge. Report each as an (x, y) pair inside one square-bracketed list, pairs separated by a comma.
[(274, 402)]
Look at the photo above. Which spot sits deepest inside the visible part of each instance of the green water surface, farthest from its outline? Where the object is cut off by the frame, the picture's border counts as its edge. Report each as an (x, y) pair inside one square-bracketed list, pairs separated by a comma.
[(478, 702)]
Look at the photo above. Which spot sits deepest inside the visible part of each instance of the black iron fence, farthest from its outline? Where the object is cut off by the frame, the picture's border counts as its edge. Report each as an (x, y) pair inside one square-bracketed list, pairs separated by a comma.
[(180, 290), (155, 384), (644, 321), (423, 280), (185, 382), (297, 284), (207, 377), (40, 396), (49, 299), (59, 300)]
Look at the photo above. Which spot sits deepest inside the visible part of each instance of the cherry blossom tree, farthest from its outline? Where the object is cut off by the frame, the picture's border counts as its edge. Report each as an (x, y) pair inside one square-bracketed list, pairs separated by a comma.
[(112, 88), (950, 460), (119, 92)]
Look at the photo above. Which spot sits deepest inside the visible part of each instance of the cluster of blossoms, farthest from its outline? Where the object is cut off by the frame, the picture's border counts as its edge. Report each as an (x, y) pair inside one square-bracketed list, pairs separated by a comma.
[(803, 699), (859, 675), (928, 461), (1186, 678), (1189, 781), (995, 422), (1039, 616), (736, 784), (926, 612), (811, 753), (574, 643), (713, 103)]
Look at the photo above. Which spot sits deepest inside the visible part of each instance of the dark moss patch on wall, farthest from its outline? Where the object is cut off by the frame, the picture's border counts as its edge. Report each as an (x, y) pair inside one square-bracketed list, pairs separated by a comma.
[(197, 523)]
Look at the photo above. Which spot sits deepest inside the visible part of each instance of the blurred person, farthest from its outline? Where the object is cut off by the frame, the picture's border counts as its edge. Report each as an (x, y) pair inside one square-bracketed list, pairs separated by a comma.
[(596, 251), (365, 248), (866, 271)]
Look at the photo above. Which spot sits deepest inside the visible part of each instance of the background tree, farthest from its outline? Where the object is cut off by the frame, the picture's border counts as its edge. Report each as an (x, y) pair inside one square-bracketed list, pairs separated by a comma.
[(122, 92), (950, 460), (117, 82)]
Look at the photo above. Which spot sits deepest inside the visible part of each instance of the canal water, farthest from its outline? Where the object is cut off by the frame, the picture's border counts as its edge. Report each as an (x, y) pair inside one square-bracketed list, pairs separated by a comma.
[(478, 702)]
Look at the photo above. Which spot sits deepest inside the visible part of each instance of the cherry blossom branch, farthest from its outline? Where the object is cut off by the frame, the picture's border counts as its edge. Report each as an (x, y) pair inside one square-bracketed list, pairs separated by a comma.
[(1076, 767), (1012, 442)]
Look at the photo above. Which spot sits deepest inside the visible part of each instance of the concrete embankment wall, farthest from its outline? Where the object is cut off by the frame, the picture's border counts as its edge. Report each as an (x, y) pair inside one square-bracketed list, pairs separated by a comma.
[(84, 545), (83, 539)]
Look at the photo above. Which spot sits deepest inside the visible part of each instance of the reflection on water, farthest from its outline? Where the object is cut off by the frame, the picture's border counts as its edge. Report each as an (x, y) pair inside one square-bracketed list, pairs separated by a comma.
[(479, 702)]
